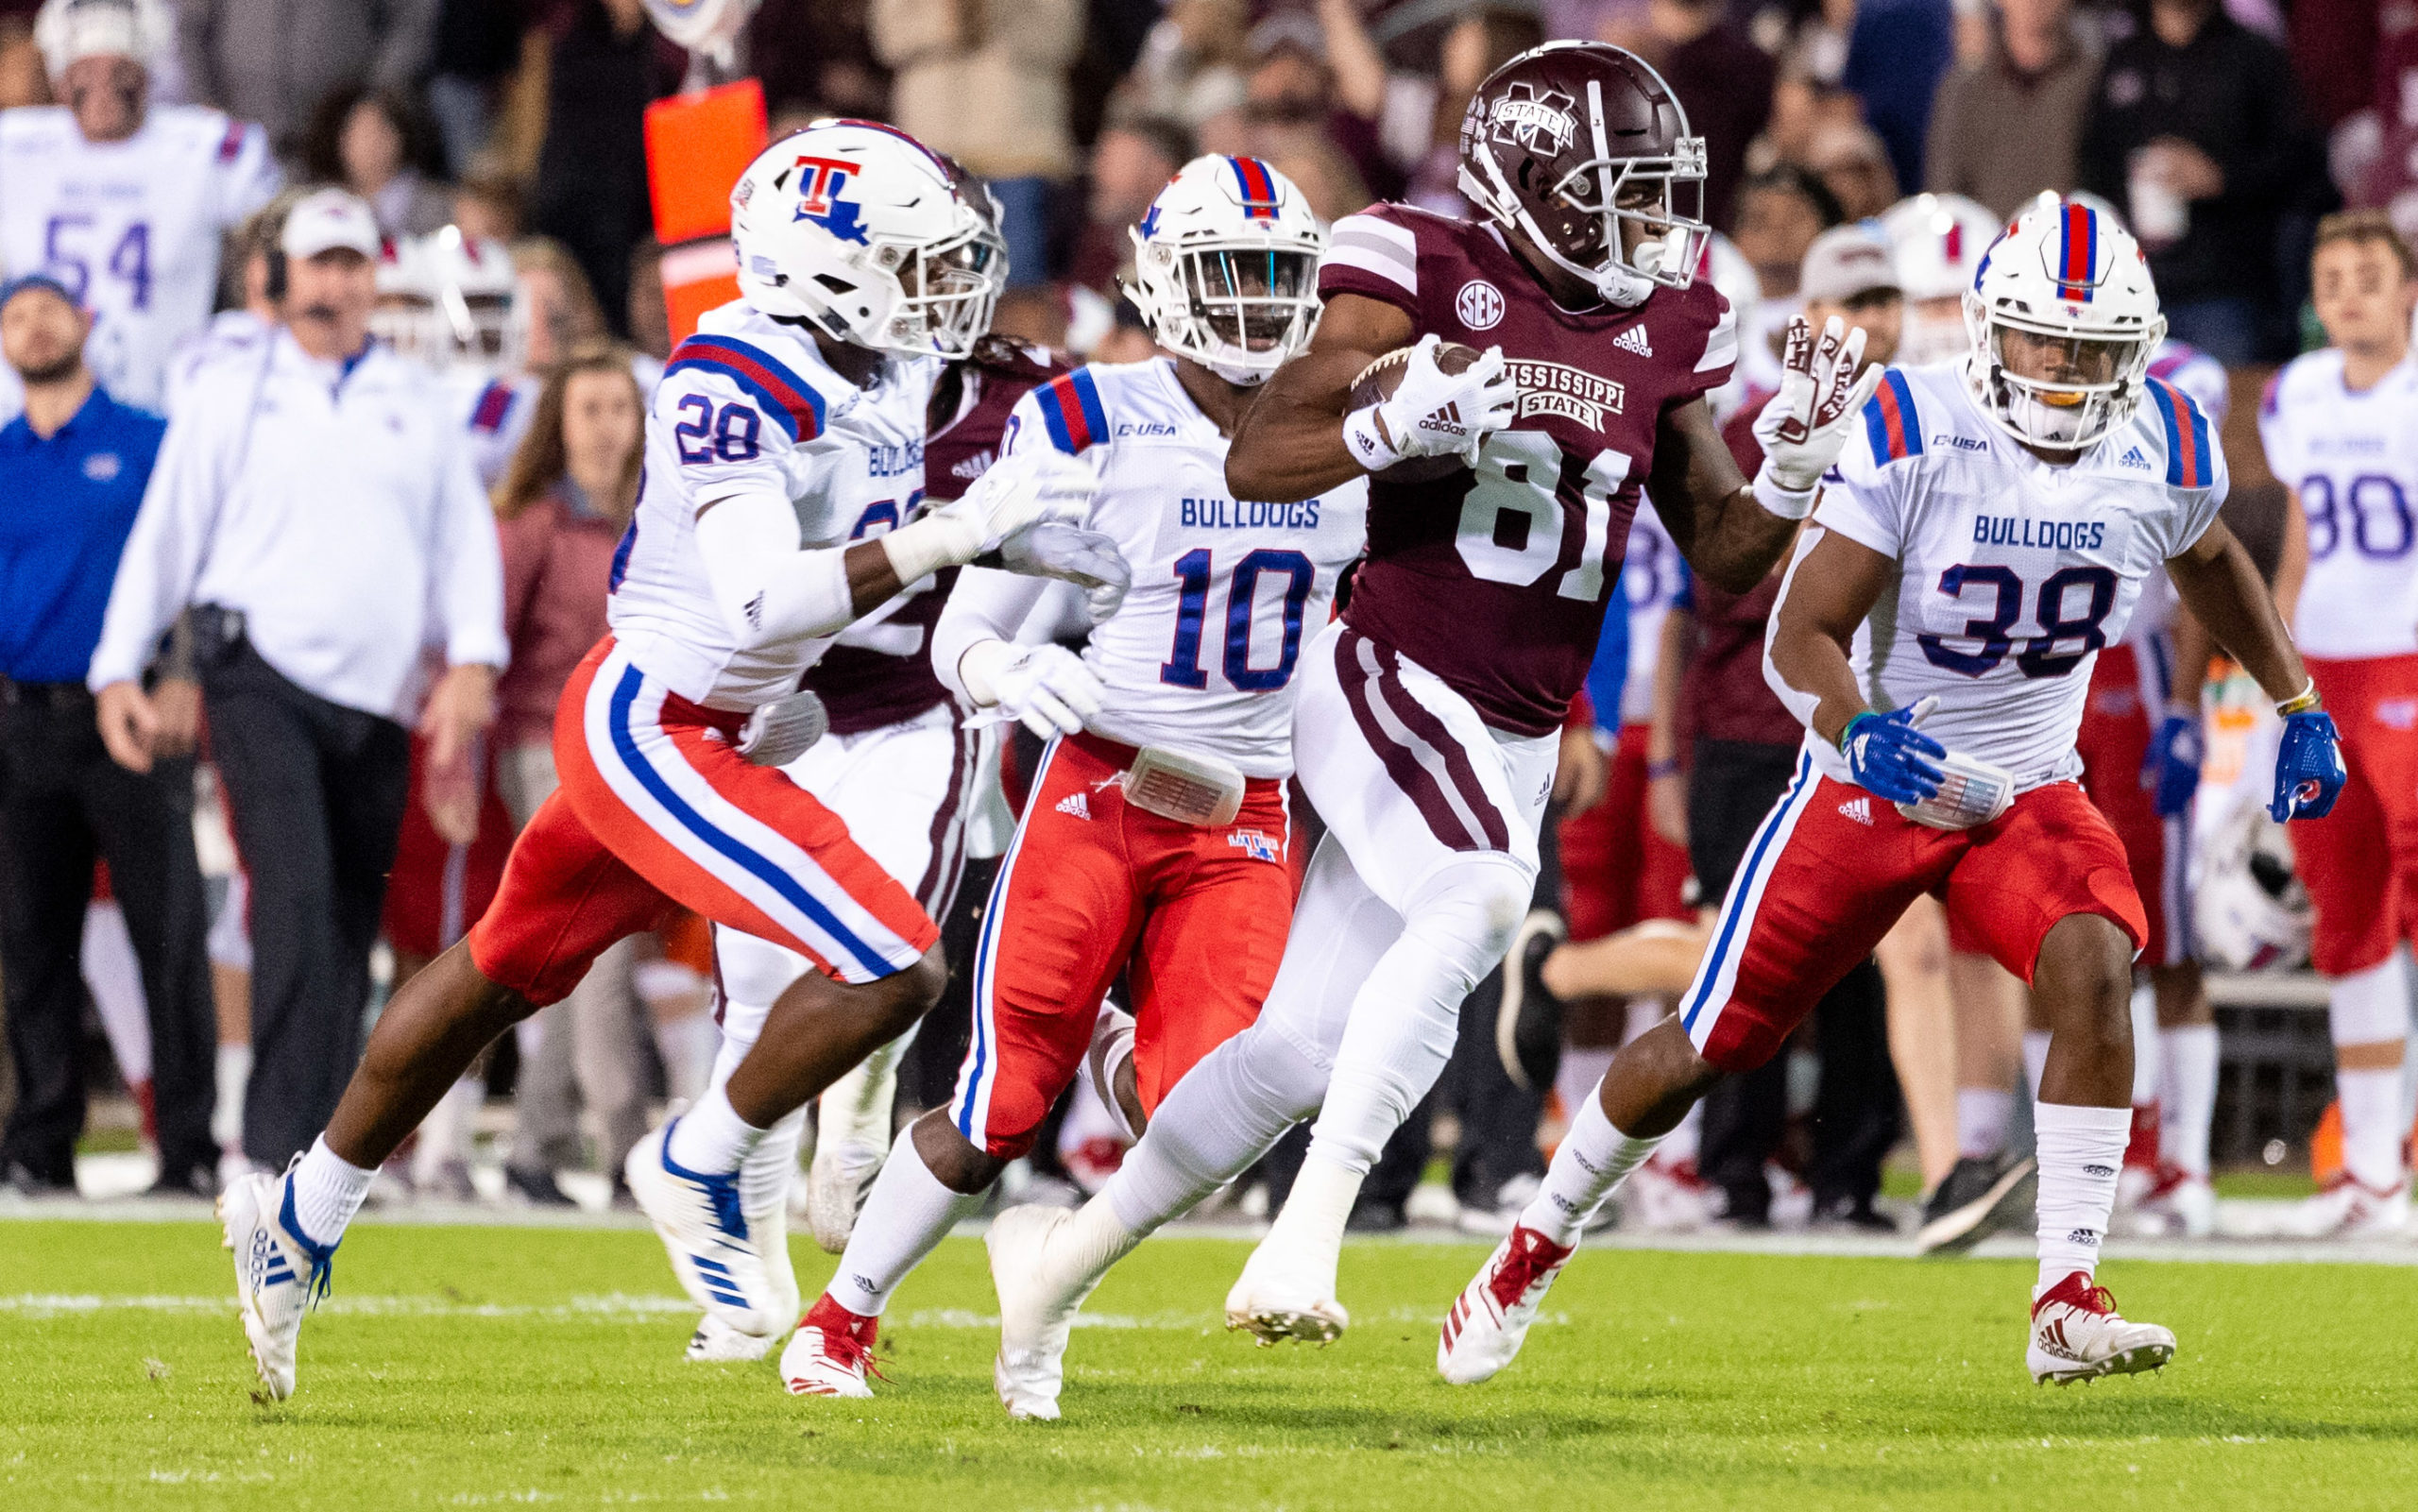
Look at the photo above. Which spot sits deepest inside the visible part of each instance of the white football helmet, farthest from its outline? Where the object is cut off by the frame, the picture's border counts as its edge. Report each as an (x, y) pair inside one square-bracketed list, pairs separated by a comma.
[(67, 30), (1225, 267), (869, 236), (1939, 241), (710, 26), (2248, 911), (2070, 290), (447, 300)]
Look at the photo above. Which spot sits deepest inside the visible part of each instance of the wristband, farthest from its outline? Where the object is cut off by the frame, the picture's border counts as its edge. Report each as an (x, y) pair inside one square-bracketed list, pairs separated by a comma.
[(1780, 500), (2300, 703), (1367, 441), (922, 547)]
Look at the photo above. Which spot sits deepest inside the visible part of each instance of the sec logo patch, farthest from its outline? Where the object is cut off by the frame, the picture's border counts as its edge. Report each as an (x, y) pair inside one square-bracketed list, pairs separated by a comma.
[(1479, 304)]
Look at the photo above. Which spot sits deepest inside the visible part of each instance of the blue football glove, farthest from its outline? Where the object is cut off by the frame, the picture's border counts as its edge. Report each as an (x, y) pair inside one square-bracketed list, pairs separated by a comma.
[(2172, 768), (2310, 772), (1887, 755)]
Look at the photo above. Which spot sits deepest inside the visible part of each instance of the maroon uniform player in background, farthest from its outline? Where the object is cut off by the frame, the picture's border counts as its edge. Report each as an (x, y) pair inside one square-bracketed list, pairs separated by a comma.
[(1426, 722)]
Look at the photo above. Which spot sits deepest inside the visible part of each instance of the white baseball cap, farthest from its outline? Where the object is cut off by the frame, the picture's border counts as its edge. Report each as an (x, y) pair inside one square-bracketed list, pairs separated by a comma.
[(327, 220)]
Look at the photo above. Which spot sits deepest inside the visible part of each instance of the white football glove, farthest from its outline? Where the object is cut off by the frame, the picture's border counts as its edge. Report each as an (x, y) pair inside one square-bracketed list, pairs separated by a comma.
[(1047, 686), (1433, 413), (1086, 558), (1803, 427), (1017, 491)]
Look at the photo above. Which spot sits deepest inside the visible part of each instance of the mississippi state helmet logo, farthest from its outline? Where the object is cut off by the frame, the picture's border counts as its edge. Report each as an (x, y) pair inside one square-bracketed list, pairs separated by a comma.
[(820, 182), (1541, 122)]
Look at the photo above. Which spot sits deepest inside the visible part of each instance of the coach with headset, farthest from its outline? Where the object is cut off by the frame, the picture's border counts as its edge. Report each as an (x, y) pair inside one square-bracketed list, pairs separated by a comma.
[(314, 504)]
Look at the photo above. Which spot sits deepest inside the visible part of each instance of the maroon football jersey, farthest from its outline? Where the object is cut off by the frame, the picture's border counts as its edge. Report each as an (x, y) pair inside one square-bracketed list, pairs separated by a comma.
[(1496, 579), (881, 673)]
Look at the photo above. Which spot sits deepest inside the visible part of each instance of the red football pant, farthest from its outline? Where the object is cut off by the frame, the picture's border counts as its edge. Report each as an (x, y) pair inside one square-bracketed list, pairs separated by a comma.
[(1615, 871), (1092, 886), (2127, 697), (2360, 861), (1834, 867), (658, 811)]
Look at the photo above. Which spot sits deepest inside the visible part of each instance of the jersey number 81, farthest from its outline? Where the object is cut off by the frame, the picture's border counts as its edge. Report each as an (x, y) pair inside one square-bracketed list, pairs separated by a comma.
[(1511, 530)]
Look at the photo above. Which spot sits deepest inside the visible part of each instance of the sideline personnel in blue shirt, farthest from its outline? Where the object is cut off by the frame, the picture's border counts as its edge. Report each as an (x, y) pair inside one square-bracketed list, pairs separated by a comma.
[(73, 468)]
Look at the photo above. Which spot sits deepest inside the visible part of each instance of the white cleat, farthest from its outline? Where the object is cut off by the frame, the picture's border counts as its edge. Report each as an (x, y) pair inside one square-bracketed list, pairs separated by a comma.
[(705, 1231), (2351, 1209), (279, 1274), (717, 1343), (2078, 1336), (836, 1185), (1275, 1306), (1035, 1321), (2180, 1206), (831, 1353), (1490, 1320)]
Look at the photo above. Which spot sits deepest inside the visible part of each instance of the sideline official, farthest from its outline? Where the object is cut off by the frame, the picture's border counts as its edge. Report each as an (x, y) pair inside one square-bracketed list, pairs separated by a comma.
[(315, 506), (71, 473)]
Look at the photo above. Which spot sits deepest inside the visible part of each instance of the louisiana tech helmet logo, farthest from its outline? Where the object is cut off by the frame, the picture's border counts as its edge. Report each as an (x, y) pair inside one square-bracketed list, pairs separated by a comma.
[(1541, 122), (820, 183)]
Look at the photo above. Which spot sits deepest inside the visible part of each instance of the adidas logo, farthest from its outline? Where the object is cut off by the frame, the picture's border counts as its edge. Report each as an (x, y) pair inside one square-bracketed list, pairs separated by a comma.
[(1633, 339), (974, 466), (2133, 458), (1448, 420), (1075, 803), (1859, 809)]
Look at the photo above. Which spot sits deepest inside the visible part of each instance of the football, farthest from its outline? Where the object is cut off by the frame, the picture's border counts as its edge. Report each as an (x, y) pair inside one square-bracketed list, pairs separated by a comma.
[(1377, 382)]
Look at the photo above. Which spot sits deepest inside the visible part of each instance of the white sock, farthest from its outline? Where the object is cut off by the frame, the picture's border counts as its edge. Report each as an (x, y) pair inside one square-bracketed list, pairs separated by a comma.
[(1982, 1117), (2035, 1060), (445, 1134), (711, 1137), (2144, 1040), (906, 1213), (1225, 1113), (2372, 1126), (1308, 1232), (2081, 1150), (1082, 1251), (1581, 1069), (2187, 1095), (765, 1175), (227, 1114), (327, 1191), (1685, 1139), (115, 977), (1592, 1161), (688, 1046)]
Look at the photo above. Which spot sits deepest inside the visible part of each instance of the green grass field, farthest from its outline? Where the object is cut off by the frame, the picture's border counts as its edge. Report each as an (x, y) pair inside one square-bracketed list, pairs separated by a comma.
[(487, 1366)]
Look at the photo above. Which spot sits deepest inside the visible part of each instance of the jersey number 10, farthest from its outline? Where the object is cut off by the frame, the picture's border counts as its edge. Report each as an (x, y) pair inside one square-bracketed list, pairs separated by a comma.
[(1183, 668)]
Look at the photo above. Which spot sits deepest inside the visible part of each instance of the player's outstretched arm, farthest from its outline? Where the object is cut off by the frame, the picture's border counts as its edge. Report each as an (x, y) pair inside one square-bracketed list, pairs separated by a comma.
[(1833, 585), (768, 589), (2221, 586), (1289, 445), (1706, 505)]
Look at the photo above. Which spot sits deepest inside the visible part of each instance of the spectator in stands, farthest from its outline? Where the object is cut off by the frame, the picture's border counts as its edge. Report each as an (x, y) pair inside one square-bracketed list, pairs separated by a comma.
[(274, 60), (986, 81), (2196, 132), (561, 509), (1722, 80), (73, 468), (2009, 126), (474, 48), (315, 505), (1896, 52), (1132, 162), (555, 309), (379, 145), (815, 56), (1192, 65), (1417, 118), (23, 78), (1780, 212), (1853, 164), (602, 70)]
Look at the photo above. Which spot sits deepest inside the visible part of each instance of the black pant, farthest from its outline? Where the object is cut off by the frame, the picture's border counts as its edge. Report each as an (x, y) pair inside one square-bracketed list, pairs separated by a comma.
[(317, 793), (1731, 786), (63, 803)]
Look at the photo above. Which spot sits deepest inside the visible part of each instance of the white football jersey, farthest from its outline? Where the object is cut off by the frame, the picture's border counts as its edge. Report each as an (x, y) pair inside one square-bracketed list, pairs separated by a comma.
[(1652, 577), (748, 404), (132, 227), (2011, 572), (2352, 459), (496, 409), (1226, 592)]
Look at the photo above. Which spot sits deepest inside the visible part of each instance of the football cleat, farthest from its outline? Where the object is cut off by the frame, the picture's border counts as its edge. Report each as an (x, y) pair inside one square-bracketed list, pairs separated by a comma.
[(717, 1343), (706, 1234), (1976, 1198), (2180, 1205), (2078, 1336), (279, 1274), (1274, 1307), (2351, 1209), (1035, 1321), (1490, 1320), (1666, 1197), (831, 1353)]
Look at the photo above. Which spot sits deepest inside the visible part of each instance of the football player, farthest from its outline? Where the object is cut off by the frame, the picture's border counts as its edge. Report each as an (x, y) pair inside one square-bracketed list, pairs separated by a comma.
[(1987, 531), (860, 267), (122, 200), (2339, 429), (1428, 719), (1156, 843)]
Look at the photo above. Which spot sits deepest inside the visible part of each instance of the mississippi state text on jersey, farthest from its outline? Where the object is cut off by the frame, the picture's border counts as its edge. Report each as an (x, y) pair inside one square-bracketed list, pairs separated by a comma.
[(1225, 590), (2352, 459), (748, 403), (2011, 573), (131, 228), (1496, 579)]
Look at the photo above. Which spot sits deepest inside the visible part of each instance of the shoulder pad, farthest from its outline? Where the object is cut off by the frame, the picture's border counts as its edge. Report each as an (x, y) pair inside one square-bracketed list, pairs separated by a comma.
[(2190, 455), (1891, 422), (1072, 412)]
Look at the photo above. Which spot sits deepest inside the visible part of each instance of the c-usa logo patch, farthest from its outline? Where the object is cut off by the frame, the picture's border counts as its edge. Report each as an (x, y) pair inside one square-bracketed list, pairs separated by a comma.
[(1479, 304)]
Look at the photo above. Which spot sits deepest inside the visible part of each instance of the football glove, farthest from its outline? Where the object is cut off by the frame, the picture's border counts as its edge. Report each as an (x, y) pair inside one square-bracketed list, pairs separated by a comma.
[(1086, 558), (1891, 759), (1804, 427), (1019, 490), (2310, 772), (1045, 687), (2171, 770), (1436, 413)]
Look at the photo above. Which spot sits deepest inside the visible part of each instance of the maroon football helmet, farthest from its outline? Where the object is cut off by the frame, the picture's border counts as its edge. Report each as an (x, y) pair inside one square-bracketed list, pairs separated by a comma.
[(1568, 141)]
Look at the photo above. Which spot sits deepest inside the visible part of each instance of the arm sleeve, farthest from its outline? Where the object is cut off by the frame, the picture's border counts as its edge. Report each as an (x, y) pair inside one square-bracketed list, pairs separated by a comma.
[(769, 592), (163, 553), (468, 564), (987, 604)]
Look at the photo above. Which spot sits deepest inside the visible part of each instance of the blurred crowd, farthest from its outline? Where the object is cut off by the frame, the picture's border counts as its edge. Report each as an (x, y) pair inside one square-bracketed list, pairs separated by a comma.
[(498, 151)]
